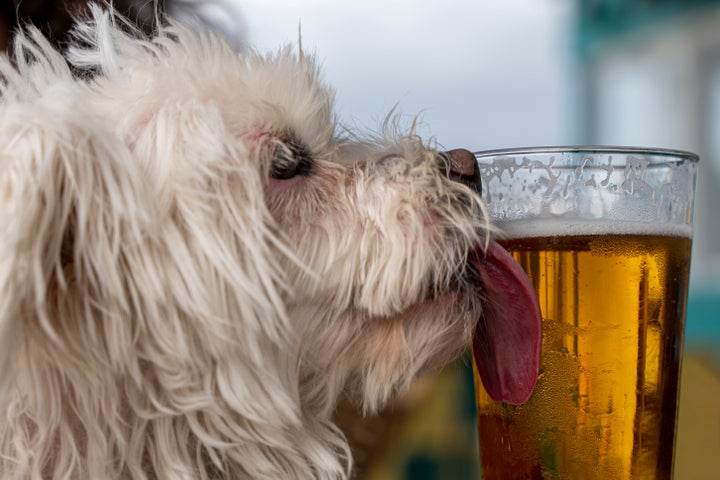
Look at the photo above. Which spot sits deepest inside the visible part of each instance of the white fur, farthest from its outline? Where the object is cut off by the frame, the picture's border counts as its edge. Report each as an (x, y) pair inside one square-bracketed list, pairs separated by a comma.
[(168, 310)]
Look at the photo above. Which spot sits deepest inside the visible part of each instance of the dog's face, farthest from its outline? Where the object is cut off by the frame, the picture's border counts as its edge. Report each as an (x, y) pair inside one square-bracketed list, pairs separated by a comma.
[(381, 238), (222, 261)]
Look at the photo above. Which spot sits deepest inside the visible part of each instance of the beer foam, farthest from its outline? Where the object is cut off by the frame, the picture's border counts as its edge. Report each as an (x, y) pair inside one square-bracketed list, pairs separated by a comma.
[(570, 227)]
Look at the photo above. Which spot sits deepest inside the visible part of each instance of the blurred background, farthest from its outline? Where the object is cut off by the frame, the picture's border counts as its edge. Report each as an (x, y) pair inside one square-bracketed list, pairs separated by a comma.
[(484, 74)]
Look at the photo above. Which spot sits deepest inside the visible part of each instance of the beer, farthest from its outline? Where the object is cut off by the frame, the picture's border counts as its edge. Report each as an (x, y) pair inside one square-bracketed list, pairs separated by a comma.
[(604, 406)]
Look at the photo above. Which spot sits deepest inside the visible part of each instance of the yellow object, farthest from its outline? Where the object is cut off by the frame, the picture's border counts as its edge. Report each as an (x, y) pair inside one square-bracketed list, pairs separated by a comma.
[(697, 454)]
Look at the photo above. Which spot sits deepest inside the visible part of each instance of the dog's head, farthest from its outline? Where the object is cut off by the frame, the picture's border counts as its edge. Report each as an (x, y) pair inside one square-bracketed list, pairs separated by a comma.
[(376, 244), (226, 260)]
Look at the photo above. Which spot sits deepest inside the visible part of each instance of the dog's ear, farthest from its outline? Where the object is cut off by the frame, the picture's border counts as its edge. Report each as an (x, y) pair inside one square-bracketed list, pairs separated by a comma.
[(203, 172), (70, 199)]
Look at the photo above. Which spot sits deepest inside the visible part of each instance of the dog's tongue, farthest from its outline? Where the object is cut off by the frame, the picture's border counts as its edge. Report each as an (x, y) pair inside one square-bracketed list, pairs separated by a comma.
[(507, 341)]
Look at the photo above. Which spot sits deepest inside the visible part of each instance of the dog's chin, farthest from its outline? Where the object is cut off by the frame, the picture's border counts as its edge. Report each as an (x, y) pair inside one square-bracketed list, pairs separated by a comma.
[(459, 303), (426, 336), (452, 316)]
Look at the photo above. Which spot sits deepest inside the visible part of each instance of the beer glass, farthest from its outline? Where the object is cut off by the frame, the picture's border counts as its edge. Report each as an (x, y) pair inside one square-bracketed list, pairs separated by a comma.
[(604, 233)]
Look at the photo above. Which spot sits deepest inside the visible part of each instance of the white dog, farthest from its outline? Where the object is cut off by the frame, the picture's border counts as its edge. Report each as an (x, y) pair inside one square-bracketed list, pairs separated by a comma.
[(195, 264)]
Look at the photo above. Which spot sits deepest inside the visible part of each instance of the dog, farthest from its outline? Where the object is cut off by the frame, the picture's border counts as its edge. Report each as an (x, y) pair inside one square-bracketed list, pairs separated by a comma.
[(197, 262)]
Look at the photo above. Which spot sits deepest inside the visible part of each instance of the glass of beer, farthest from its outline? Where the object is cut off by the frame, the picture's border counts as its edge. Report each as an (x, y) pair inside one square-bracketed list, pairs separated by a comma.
[(604, 233)]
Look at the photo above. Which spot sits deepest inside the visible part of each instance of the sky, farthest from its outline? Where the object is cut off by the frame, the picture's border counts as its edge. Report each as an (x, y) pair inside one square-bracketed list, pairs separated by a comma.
[(479, 74)]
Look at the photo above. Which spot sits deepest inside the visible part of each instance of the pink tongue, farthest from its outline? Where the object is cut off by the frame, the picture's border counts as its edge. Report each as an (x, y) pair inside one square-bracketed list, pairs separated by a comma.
[(507, 341)]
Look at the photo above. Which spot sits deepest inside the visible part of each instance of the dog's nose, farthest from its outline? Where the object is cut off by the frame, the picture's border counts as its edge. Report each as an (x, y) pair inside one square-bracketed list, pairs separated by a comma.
[(464, 168)]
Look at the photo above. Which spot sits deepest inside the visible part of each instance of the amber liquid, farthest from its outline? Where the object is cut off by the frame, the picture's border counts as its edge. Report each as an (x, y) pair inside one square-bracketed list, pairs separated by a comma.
[(606, 399)]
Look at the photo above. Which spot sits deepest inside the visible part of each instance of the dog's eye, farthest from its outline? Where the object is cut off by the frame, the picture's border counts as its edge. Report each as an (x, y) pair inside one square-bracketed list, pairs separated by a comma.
[(291, 159)]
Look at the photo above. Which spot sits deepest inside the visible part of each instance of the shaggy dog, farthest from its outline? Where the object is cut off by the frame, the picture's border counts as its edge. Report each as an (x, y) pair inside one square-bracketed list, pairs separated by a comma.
[(196, 263)]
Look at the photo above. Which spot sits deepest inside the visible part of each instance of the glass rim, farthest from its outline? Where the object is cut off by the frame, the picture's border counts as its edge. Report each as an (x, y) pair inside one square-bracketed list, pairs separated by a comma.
[(607, 149)]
